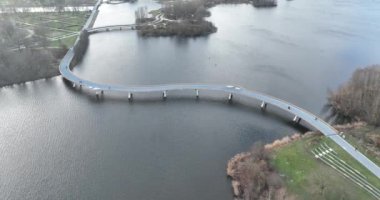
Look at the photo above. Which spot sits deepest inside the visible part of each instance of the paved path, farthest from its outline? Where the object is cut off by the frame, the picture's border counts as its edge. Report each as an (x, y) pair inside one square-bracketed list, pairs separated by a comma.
[(306, 116), (328, 156)]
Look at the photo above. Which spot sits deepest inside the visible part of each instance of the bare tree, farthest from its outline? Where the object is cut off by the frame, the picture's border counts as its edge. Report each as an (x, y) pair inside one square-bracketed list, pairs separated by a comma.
[(41, 32), (141, 14), (358, 99)]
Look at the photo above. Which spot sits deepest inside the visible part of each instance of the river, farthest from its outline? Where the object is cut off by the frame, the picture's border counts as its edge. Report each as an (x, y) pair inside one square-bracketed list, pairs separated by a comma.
[(60, 143)]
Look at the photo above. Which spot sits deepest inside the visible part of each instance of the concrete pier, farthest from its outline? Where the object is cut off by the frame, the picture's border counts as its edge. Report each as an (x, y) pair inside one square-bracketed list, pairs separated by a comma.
[(130, 96), (230, 97), (297, 119), (164, 95), (263, 106), (197, 94)]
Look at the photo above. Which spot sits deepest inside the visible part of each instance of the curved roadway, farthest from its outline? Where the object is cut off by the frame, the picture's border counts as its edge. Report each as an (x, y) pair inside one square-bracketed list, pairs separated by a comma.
[(306, 116)]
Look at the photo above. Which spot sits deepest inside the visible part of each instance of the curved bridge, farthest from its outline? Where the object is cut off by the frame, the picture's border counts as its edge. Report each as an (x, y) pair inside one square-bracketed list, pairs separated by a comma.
[(298, 112)]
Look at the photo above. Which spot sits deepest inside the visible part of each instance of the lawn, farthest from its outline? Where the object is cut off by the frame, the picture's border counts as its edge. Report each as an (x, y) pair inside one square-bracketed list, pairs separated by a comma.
[(38, 2), (309, 178), (360, 144), (62, 28)]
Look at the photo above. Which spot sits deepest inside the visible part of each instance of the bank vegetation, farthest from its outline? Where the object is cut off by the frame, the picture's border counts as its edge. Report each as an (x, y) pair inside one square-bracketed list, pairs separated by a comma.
[(253, 176), (358, 99), (185, 18), (287, 170)]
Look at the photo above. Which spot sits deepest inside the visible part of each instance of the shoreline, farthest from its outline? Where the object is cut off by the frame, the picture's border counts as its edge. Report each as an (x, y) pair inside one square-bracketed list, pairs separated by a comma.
[(37, 72), (235, 169), (238, 165)]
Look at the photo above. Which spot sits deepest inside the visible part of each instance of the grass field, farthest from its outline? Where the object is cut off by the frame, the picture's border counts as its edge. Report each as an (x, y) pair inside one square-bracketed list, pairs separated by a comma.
[(38, 2), (309, 178), (362, 145), (61, 28)]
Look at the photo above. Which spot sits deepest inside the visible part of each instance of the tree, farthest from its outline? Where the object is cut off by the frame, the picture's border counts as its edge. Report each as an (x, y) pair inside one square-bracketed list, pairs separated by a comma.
[(141, 14), (41, 32), (358, 99), (59, 5)]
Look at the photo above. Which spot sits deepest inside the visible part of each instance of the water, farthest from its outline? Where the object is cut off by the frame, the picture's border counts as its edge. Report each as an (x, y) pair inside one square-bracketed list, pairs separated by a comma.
[(59, 143)]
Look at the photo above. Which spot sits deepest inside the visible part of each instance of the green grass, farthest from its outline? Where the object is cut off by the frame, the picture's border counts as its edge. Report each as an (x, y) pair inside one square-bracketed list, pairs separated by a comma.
[(35, 2), (353, 163), (368, 129), (67, 21), (154, 12), (68, 42), (305, 176)]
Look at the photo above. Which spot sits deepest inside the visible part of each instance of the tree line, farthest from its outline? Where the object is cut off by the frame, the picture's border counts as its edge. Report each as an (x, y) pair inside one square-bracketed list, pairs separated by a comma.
[(24, 58)]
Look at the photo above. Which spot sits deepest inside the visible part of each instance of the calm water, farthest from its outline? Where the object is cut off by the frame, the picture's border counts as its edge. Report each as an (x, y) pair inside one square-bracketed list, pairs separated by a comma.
[(59, 143)]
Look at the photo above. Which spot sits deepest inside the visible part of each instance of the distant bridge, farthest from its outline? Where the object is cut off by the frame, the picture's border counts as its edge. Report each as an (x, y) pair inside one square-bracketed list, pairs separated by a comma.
[(299, 113), (112, 28)]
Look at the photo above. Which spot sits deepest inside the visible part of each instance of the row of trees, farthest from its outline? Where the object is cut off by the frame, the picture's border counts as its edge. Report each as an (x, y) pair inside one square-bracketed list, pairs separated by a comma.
[(26, 65), (80, 48), (24, 57), (358, 99), (184, 28), (264, 3), (142, 15)]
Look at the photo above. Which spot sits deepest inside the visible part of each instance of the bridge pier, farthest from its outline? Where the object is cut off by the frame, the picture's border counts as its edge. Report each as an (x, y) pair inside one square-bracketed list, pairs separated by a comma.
[(263, 106), (73, 85), (97, 94), (230, 97), (297, 119), (197, 94), (164, 95), (130, 96), (101, 92)]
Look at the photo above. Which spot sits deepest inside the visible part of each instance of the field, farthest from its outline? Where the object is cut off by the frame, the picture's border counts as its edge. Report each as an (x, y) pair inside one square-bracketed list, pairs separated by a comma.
[(359, 138), (45, 2), (58, 28), (310, 178), (36, 42)]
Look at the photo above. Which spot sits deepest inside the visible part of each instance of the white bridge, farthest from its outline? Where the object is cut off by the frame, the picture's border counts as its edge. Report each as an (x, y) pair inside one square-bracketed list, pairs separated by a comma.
[(265, 100)]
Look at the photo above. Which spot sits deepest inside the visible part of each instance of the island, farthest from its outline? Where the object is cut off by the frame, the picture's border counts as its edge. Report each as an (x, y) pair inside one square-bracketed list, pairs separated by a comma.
[(185, 18)]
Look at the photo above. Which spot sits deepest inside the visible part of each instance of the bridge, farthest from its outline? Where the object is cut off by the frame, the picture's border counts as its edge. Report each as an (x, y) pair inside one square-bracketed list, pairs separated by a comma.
[(298, 113), (112, 28)]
